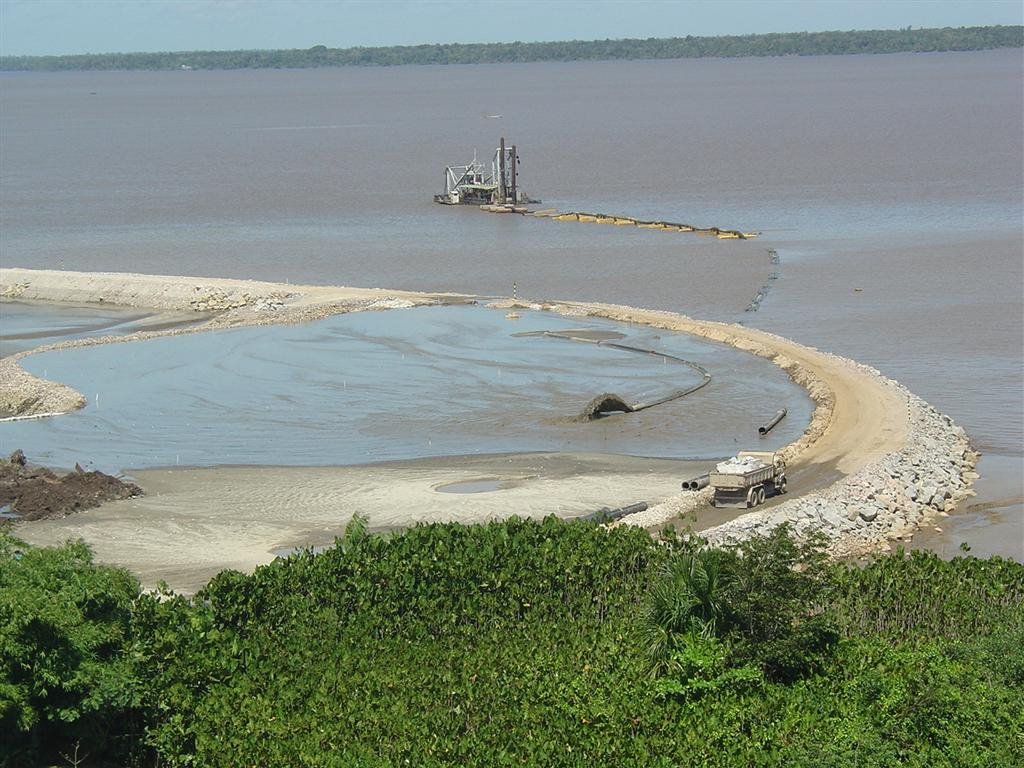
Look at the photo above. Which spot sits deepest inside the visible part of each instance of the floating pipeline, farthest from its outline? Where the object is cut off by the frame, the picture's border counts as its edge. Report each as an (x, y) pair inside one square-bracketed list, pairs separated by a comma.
[(762, 292), (608, 403), (628, 221), (621, 221)]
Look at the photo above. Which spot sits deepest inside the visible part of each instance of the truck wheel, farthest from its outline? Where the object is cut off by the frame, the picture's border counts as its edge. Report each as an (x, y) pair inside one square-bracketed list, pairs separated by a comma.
[(780, 486), (760, 495)]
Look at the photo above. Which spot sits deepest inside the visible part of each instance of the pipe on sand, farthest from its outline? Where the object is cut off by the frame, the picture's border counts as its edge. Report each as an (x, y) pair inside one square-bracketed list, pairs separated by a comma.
[(696, 483), (605, 514)]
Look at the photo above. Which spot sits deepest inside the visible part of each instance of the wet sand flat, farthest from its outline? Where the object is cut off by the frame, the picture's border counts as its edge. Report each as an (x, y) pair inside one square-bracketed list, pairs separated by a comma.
[(193, 523)]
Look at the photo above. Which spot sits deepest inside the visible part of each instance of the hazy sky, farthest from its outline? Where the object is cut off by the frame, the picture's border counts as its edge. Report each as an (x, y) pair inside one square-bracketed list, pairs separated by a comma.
[(104, 26)]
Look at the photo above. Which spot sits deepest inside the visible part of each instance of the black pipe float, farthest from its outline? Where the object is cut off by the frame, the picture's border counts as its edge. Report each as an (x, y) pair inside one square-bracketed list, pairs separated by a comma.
[(764, 429), (609, 402)]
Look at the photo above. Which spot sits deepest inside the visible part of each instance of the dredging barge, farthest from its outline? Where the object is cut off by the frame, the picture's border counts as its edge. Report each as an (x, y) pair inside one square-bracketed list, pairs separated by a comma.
[(495, 189), (475, 184)]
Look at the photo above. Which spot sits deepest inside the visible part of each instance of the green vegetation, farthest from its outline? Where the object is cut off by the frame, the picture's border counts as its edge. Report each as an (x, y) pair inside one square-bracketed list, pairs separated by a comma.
[(729, 46), (518, 643), (65, 674)]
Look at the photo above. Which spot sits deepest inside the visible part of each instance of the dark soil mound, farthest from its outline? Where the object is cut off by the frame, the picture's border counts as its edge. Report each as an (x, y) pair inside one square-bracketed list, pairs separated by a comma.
[(36, 493)]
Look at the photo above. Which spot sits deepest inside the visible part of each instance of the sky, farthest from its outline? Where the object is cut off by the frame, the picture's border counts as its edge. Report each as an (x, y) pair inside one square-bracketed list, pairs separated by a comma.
[(37, 27)]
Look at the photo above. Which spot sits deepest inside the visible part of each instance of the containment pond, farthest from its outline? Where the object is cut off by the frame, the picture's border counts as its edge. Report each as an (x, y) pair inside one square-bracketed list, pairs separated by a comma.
[(402, 384)]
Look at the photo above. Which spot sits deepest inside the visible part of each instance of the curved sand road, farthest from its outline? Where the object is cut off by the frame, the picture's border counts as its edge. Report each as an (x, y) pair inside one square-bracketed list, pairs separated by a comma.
[(861, 422)]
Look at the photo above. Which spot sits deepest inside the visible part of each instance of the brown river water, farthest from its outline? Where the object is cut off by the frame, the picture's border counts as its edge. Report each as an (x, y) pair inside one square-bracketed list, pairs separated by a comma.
[(891, 186)]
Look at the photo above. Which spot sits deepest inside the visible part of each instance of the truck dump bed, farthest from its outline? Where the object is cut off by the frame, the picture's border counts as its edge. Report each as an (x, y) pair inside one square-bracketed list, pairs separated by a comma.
[(745, 480), (736, 486)]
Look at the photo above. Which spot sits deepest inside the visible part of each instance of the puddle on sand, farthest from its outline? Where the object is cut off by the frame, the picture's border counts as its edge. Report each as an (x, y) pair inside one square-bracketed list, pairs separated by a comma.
[(482, 485)]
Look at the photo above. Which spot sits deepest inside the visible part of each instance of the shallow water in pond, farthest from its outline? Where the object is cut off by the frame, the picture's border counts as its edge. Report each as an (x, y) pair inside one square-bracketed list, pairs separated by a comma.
[(400, 384), (26, 325)]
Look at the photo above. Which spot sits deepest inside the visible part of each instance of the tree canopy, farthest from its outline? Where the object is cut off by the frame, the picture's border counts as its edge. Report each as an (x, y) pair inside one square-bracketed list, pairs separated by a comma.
[(723, 46), (517, 643)]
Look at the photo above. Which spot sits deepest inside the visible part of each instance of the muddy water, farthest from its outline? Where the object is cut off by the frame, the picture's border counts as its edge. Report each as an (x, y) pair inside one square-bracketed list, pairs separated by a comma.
[(900, 175), (947, 323), (402, 384)]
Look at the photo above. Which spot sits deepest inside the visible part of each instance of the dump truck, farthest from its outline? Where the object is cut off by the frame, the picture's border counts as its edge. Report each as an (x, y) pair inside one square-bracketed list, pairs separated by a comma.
[(747, 480)]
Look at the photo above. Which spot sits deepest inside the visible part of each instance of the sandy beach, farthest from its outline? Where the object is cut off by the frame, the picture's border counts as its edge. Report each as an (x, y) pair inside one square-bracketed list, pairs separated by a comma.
[(194, 522)]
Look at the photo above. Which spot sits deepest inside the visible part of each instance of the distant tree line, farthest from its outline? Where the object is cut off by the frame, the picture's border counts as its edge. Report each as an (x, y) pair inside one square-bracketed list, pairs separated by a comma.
[(724, 46)]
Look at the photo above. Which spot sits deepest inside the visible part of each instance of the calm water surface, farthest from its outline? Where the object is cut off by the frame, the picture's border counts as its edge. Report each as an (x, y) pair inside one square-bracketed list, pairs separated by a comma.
[(899, 175), (26, 325), (403, 384)]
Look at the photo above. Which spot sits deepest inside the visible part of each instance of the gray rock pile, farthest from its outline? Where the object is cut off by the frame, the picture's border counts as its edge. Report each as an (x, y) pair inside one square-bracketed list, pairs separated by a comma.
[(207, 299), (22, 394)]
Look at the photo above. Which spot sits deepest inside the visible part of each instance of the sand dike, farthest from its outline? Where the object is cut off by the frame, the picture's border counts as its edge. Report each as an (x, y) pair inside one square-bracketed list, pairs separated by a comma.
[(901, 462), (904, 463)]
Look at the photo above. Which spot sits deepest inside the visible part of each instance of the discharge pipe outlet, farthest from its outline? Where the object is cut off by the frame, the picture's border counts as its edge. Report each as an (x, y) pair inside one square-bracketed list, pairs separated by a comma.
[(605, 514), (764, 429), (695, 484)]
